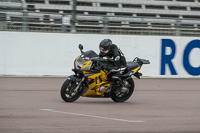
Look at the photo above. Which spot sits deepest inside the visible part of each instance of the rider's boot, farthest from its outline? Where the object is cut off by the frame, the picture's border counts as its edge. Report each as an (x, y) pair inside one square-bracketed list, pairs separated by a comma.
[(117, 83), (117, 86), (117, 89)]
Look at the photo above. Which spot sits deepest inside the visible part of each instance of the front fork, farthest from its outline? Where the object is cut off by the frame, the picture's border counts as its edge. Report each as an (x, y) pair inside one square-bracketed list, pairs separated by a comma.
[(79, 84), (77, 80)]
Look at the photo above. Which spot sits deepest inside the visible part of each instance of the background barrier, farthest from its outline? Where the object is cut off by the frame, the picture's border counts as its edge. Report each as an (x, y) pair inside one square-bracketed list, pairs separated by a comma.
[(24, 53)]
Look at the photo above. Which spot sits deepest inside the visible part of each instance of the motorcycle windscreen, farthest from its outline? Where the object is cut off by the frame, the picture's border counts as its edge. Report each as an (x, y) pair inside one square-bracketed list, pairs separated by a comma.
[(81, 61), (89, 54)]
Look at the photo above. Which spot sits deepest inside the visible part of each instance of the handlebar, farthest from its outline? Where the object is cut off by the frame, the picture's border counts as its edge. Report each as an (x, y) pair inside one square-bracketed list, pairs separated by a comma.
[(100, 62)]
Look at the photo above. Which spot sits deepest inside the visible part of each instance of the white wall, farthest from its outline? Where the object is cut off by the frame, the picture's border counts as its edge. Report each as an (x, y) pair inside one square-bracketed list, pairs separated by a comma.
[(23, 53)]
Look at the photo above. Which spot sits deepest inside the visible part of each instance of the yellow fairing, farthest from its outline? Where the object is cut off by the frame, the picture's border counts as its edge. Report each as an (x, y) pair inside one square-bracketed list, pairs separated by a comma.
[(136, 69), (87, 65), (99, 79), (77, 58)]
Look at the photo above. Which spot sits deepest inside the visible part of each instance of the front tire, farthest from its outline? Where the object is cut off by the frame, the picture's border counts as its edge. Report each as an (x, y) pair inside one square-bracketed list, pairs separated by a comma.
[(123, 98), (67, 91)]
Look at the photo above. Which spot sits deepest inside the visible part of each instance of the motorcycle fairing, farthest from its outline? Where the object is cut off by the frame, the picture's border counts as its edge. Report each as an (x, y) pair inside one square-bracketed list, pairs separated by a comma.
[(98, 80)]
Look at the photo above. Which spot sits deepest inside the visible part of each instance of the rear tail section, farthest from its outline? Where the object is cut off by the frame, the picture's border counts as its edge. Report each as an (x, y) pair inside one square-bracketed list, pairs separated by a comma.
[(140, 62)]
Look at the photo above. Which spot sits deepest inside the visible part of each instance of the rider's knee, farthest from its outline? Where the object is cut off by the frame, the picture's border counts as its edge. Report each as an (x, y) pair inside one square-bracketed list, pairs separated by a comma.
[(117, 80)]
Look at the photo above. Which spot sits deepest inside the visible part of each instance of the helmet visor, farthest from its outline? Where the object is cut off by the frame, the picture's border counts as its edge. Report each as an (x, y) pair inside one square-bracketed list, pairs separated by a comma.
[(103, 50)]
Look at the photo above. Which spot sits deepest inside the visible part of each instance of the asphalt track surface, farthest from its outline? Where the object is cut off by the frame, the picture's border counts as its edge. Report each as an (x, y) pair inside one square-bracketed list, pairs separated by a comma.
[(34, 105)]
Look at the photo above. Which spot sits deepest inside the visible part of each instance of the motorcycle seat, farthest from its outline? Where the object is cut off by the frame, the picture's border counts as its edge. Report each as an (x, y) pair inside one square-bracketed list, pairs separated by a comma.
[(131, 65)]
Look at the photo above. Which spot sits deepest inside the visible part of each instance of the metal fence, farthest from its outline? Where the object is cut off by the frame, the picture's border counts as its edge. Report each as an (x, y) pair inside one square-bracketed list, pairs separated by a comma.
[(27, 18)]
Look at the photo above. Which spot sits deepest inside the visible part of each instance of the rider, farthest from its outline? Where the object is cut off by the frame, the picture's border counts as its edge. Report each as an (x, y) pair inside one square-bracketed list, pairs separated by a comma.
[(116, 60)]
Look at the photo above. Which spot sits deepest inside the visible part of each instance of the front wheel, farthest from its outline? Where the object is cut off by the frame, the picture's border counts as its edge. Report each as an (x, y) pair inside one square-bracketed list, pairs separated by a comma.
[(123, 96), (68, 91)]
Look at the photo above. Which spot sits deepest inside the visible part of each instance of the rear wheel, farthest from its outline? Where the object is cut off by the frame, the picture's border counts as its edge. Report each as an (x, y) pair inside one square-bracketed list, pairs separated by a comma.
[(68, 92), (124, 95)]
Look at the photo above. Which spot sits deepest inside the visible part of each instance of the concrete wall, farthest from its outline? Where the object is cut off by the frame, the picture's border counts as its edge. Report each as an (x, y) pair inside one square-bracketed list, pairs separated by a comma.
[(23, 53)]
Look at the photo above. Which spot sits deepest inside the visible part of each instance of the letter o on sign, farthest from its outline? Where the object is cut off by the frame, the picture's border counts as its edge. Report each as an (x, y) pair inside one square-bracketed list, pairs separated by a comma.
[(190, 69)]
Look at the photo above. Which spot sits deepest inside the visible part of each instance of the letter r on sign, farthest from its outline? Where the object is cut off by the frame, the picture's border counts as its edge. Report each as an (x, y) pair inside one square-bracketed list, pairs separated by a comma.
[(167, 59)]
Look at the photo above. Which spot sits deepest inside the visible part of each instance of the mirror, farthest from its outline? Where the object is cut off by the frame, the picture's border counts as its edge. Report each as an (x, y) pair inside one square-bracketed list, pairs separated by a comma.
[(80, 47)]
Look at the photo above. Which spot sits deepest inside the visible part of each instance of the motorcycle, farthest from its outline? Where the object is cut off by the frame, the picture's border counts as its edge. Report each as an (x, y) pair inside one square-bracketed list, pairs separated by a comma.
[(92, 78)]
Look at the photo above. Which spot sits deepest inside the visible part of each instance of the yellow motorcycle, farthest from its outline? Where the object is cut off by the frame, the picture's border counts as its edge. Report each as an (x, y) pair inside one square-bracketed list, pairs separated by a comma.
[(93, 79)]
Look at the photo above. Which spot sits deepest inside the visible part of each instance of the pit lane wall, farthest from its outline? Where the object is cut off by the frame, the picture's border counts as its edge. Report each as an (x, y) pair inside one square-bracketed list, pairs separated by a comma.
[(36, 54)]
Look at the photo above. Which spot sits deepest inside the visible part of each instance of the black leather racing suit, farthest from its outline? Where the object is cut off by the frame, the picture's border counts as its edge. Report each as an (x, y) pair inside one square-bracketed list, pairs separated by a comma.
[(117, 64)]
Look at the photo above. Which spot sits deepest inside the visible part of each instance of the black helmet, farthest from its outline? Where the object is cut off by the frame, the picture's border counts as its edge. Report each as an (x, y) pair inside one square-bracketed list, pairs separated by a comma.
[(105, 46)]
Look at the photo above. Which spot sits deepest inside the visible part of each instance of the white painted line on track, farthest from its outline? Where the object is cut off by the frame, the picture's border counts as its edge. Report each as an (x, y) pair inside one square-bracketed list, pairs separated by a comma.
[(93, 116)]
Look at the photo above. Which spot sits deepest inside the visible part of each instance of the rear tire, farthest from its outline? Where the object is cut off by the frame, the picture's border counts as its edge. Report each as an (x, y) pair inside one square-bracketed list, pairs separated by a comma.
[(125, 97), (67, 91)]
